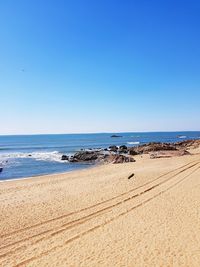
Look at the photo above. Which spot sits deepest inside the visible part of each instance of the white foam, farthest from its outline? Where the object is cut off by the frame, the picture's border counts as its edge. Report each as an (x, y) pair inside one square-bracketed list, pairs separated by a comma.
[(44, 156), (133, 143), (182, 136)]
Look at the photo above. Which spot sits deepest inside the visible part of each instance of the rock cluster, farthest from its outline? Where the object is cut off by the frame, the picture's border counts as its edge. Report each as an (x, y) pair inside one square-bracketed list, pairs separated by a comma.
[(120, 149), (188, 144), (64, 157), (113, 148), (153, 146), (123, 153), (123, 149), (168, 154), (98, 157), (115, 159), (85, 156)]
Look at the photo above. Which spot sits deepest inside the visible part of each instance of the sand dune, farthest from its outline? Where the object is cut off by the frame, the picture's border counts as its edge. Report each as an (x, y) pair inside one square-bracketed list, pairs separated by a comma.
[(99, 217)]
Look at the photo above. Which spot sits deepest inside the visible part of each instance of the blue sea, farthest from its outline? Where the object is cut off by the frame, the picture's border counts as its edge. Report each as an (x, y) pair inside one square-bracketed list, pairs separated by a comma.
[(33, 155)]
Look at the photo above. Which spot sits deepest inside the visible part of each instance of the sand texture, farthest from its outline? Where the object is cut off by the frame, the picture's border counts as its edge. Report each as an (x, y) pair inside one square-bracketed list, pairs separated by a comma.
[(99, 217)]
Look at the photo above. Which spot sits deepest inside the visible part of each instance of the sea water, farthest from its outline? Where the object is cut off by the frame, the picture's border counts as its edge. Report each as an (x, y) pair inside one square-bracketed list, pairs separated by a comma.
[(33, 155)]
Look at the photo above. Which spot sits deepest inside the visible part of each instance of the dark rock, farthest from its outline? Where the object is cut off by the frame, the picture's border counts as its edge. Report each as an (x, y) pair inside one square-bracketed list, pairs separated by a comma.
[(122, 159), (1, 169), (65, 157), (123, 149), (153, 146), (84, 156), (117, 158), (72, 159), (115, 136), (103, 158), (113, 148), (132, 151)]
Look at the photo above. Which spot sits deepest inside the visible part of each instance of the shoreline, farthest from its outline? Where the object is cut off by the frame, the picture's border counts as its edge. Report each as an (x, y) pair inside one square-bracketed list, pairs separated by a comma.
[(20, 167), (50, 174), (98, 214), (115, 150)]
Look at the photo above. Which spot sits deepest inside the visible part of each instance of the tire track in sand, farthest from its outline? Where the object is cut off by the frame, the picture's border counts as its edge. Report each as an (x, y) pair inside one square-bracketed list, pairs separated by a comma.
[(85, 209), (25, 262), (89, 207), (79, 221)]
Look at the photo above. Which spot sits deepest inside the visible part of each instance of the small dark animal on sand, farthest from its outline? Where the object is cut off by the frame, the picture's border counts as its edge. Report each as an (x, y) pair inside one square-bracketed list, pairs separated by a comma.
[(130, 176)]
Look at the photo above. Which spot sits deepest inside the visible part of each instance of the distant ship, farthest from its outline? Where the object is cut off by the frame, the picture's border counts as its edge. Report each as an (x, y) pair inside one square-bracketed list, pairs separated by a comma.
[(114, 135)]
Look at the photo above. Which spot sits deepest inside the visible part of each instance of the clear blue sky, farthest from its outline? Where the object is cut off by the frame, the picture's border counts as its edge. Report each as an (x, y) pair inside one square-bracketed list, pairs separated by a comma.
[(99, 66)]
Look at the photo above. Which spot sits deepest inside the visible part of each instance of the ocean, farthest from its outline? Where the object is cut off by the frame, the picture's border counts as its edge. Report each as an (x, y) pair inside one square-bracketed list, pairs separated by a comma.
[(33, 155)]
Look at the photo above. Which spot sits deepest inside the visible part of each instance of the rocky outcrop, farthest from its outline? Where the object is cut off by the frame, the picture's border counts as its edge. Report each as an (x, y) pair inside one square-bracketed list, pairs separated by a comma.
[(115, 136), (123, 149), (113, 148), (188, 144), (121, 159), (117, 158), (180, 147), (132, 151), (116, 154), (72, 159), (100, 157), (168, 154), (64, 157), (146, 148), (85, 156), (157, 146)]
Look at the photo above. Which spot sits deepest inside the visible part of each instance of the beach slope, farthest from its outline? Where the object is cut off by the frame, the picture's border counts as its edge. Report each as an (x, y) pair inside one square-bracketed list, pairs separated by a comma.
[(99, 217)]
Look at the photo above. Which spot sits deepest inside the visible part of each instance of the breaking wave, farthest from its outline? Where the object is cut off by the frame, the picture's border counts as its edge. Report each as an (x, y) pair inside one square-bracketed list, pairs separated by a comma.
[(182, 136), (133, 143), (44, 156)]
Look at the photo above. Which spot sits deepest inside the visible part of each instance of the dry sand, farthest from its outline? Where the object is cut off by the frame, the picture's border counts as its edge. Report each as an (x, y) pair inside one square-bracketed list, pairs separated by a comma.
[(99, 217)]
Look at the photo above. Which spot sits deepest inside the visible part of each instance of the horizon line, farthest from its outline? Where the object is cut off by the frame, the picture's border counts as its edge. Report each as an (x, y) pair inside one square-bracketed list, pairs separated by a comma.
[(78, 133)]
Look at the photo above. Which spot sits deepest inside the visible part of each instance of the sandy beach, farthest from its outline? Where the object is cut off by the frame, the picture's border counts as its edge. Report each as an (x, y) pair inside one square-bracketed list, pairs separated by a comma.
[(99, 217)]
